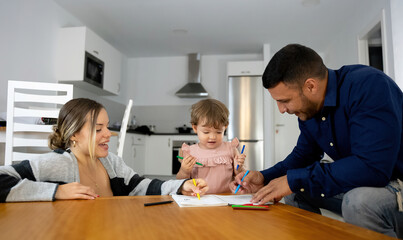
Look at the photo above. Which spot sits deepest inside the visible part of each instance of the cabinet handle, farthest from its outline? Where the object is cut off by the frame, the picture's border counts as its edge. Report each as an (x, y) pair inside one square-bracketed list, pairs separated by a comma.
[(169, 142), (96, 52), (134, 153), (280, 125), (245, 71)]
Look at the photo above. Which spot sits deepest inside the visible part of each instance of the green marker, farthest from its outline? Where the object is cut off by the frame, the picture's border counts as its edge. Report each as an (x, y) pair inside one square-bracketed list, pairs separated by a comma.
[(196, 162), (243, 207)]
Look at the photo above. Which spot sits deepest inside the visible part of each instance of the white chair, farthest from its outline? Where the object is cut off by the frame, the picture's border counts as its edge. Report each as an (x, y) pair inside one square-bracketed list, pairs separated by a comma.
[(123, 128), (27, 103)]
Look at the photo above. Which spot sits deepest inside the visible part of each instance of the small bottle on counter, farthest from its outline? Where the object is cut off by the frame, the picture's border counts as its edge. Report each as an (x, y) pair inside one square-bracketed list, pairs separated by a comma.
[(152, 128), (133, 122)]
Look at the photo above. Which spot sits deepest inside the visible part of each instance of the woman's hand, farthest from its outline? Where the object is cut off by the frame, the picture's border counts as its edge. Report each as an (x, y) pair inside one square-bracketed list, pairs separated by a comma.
[(188, 188), (75, 190)]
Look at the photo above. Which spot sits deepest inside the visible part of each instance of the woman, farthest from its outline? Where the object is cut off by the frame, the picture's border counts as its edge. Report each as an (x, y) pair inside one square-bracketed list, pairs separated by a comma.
[(80, 167)]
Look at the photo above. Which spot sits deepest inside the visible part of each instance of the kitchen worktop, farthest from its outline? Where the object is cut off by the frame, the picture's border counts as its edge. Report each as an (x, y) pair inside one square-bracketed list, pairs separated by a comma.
[(153, 133), (176, 133)]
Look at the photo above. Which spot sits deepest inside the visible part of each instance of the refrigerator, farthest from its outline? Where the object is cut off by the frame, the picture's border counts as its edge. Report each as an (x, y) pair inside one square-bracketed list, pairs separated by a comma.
[(245, 104)]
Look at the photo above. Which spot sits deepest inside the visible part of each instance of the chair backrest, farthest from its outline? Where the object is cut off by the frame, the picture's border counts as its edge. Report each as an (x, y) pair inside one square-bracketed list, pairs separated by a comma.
[(123, 128), (28, 103)]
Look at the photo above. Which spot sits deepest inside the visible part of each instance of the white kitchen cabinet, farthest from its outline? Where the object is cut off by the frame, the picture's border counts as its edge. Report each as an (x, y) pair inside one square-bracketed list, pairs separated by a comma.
[(159, 153), (245, 68), (133, 151), (72, 44), (113, 143)]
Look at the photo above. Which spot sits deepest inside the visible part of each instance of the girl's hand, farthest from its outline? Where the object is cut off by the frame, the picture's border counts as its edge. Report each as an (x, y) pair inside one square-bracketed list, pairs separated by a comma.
[(187, 164), (75, 190), (240, 160), (188, 188)]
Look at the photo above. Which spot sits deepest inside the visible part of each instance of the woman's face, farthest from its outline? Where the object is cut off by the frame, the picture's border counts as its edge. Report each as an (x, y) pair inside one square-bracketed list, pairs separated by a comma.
[(101, 138)]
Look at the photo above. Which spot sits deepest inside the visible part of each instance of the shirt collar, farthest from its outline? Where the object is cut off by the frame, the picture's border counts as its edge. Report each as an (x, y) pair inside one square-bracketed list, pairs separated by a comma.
[(331, 90)]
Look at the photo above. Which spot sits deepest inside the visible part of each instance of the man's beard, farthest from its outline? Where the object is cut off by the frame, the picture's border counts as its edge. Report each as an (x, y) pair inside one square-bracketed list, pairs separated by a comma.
[(309, 110)]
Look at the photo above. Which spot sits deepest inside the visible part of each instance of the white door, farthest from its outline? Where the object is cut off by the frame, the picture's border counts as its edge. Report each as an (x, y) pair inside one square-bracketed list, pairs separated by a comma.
[(285, 135)]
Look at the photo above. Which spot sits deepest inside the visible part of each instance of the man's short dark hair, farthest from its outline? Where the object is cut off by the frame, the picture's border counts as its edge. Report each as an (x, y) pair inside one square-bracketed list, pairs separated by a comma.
[(293, 64)]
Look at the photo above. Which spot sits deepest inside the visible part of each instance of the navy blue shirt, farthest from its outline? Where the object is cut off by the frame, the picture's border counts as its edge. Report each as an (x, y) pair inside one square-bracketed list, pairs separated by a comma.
[(359, 127)]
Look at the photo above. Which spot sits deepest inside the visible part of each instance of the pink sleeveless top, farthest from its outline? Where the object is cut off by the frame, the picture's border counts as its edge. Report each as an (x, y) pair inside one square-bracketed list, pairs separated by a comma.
[(218, 164)]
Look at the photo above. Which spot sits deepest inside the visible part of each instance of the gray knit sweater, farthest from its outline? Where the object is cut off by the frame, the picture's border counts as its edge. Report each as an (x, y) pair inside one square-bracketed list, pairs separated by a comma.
[(38, 179)]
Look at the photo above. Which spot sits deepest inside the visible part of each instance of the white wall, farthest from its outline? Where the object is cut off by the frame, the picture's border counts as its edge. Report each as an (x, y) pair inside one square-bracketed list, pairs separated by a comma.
[(28, 42), (343, 50), (154, 81), (27, 49), (396, 9)]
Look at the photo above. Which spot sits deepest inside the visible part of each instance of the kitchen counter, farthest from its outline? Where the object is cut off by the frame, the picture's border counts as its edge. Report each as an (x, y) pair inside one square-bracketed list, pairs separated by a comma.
[(176, 133), (153, 133)]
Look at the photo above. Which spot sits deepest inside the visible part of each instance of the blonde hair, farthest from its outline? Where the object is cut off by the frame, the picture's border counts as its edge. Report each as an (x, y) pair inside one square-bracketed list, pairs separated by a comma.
[(72, 117), (211, 112)]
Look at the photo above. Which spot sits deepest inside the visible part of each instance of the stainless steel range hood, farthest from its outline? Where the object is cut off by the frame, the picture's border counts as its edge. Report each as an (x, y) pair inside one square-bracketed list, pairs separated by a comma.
[(193, 89)]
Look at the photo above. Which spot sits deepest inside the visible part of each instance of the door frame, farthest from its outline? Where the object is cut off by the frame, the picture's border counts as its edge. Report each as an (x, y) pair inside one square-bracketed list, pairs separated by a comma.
[(362, 39)]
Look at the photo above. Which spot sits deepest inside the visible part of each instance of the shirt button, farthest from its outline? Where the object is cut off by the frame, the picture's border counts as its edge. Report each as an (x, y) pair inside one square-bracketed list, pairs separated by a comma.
[(302, 189), (322, 195), (331, 144), (323, 119)]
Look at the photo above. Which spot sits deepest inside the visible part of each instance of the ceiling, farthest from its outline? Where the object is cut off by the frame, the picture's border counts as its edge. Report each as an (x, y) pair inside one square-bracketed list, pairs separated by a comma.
[(156, 28)]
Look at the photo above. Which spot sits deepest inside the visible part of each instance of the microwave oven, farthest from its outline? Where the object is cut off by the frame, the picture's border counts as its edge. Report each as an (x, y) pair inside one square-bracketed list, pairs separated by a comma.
[(94, 70)]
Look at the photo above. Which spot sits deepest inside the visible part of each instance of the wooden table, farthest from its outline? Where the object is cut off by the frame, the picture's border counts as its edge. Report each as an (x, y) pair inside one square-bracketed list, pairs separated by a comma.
[(127, 218)]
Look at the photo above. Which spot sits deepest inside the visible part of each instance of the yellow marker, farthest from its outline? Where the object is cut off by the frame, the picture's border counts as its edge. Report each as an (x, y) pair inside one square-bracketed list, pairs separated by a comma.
[(194, 182)]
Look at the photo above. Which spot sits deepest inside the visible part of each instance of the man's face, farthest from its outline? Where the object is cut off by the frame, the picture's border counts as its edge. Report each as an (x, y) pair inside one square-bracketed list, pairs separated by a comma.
[(293, 101)]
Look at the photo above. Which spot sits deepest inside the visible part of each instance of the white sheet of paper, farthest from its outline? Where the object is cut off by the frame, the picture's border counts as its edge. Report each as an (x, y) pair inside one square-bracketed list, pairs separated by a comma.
[(236, 199), (211, 200)]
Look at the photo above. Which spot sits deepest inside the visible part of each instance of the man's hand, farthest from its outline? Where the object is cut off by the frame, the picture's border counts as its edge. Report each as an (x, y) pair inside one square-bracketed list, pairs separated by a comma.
[(251, 183), (273, 192), (75, 190)]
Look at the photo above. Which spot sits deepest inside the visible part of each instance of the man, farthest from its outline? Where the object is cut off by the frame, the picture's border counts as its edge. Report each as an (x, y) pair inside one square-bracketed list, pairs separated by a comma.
[(354, 115)]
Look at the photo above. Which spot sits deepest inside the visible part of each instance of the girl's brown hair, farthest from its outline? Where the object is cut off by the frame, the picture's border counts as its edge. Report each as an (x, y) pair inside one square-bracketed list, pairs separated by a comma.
[(210, 112), (72, 117)]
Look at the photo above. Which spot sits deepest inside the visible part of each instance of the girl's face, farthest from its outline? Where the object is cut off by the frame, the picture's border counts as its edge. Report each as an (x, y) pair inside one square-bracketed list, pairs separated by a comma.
[(101, 138), (209, 137)]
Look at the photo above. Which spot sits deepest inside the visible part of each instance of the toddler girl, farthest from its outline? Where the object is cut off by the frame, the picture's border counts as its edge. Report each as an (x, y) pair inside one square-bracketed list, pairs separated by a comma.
[(209, 119)]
